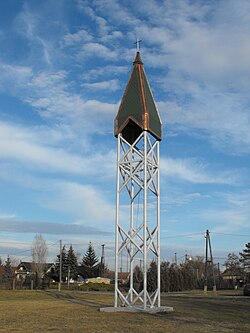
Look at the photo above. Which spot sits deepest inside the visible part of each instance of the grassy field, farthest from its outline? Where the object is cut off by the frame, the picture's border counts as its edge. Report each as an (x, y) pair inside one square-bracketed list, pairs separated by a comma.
[(34, 311)]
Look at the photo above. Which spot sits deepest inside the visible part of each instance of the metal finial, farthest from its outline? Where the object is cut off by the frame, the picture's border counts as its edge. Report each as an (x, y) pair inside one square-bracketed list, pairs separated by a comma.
[(137, 42)]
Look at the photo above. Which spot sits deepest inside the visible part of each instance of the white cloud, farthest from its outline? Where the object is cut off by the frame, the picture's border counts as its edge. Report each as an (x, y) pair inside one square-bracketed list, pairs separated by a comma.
[(240, 200), (104, 71), (202, 82), (101, 23), (20, 146), (87, 204), (43, 227), (14, 76), (224, 118), (194, 171), (50, 93), (78, 37), (180, 199), (229, 220), (205, 57), (112, 37), (229, 214), (119, 14), (53, 98), (98, 50), (208, 70), (27, 147), (27, 25), (207, 40), (111, 85)]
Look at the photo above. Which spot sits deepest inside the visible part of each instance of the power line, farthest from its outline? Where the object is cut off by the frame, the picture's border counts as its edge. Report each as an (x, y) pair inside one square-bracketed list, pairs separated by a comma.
[(220, 258), (184, 235), (29, 250), (17, 253), (19, 243), (202, 233), (226, 234)]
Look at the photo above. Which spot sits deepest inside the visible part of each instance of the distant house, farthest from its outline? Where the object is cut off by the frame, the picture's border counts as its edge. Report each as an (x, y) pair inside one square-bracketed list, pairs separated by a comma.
[(26, 269), (123, 277), (232, 279)]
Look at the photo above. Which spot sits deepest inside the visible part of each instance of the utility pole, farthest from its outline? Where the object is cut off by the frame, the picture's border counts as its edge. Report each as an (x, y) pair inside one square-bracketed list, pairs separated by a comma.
[(205, 282), (68, 276), (60, 267), (209, 261), (175, 258), (102, 261), (218, 267)]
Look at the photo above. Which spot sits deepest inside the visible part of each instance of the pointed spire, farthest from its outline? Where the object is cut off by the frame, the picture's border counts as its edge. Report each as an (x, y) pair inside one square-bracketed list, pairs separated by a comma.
[(138, 111), (137, 59)]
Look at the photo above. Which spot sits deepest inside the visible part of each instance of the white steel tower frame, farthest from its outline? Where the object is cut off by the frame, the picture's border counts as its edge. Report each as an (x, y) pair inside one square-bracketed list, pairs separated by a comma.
[(138, 177)]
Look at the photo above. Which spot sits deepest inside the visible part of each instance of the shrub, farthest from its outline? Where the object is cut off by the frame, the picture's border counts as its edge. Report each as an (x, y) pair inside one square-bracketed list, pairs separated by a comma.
[(96, 287)]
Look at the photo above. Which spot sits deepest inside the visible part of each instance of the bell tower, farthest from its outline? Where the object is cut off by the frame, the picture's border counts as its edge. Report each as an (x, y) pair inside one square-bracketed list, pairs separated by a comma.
[(138, 129)]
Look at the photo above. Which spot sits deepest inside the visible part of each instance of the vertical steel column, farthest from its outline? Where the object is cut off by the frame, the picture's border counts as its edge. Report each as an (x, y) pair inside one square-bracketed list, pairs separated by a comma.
[(117, 219), (145, 220), (158, 227), (131, 247)]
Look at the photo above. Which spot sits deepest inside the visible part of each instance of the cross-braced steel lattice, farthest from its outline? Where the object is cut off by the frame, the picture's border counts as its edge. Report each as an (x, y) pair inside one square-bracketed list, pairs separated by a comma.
[(138, 219)]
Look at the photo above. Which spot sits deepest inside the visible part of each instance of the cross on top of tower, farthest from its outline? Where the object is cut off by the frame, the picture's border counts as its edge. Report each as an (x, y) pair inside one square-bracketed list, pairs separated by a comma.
[(137, 42)]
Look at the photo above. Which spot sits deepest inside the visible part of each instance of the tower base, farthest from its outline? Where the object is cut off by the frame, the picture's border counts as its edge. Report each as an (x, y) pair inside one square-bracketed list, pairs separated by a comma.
[(161, 309)]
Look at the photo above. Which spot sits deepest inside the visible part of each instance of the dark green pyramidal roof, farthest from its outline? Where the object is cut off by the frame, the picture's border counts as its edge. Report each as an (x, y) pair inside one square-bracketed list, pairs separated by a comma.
[(138, 111)]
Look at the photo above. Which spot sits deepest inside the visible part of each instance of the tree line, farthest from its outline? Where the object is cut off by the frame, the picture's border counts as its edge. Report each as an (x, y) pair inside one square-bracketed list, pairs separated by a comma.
[(184, 276), (89, 266), (177, 277)]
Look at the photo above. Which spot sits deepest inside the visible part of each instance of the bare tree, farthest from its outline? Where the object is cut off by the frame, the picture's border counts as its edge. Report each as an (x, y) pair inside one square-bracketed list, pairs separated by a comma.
[(14, 261), (39, 255)]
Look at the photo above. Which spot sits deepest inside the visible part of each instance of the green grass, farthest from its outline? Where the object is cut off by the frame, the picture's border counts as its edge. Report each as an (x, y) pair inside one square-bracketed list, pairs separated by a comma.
[(74, 311)]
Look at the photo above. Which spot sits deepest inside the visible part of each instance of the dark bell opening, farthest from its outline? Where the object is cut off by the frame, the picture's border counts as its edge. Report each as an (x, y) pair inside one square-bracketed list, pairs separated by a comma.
[(131, 131)]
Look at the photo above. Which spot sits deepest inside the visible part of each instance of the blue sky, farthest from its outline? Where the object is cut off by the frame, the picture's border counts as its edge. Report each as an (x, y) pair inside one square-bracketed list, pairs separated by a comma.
[(64, 67)]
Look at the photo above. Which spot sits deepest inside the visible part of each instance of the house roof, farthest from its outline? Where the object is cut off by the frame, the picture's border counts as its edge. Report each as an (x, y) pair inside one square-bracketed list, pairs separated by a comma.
[(138, 111), (232, 272), (29, 265), (26, 264)]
